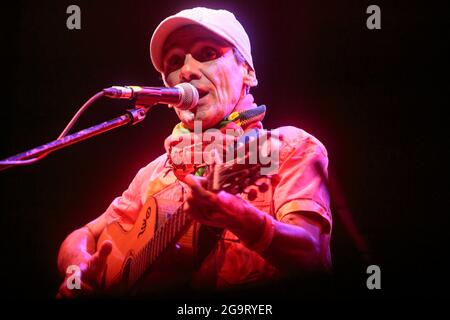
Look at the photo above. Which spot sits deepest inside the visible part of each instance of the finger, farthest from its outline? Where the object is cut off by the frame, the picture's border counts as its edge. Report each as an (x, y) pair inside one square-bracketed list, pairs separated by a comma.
[(197, 180), (203, 181), (192, 182), (105, 250), (98, 260), (197, 189)]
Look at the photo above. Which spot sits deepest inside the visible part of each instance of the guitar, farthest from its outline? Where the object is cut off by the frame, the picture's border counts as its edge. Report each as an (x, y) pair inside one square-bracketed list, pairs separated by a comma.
[(158, 252)]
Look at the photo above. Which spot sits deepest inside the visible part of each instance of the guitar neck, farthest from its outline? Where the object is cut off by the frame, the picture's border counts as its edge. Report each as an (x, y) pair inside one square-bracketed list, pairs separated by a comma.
[(165, 237)]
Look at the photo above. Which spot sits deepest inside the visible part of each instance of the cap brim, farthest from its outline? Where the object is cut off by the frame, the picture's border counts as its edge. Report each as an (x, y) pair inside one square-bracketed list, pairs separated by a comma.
[(160, 36), (164, 29)]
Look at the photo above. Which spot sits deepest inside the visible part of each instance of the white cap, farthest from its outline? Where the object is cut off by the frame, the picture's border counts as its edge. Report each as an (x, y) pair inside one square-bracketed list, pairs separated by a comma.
[(221, 22)]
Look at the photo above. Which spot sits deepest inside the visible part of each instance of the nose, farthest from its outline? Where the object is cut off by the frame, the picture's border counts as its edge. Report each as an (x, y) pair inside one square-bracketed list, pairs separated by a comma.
[(190, 69)]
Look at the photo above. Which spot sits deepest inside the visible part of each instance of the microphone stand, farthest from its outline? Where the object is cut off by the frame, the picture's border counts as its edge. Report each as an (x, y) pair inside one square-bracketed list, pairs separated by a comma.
[(132, 117)]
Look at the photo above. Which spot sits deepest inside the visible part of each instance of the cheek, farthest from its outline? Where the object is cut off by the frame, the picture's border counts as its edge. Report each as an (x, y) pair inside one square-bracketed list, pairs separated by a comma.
[(227, 80)]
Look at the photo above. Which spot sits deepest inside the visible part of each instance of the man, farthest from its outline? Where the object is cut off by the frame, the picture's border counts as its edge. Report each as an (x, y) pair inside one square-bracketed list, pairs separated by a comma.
[(282, 231)]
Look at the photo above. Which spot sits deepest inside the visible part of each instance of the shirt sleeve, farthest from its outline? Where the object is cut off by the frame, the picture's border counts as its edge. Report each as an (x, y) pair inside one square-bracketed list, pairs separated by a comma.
[(125, 208), (303, 172)]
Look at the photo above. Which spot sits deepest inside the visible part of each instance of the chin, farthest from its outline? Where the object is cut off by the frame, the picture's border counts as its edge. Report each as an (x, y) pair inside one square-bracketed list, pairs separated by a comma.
[(205, 115)]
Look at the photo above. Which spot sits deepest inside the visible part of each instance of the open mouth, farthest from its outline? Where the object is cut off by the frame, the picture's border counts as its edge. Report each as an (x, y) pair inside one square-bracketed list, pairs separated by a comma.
[(202, 93)]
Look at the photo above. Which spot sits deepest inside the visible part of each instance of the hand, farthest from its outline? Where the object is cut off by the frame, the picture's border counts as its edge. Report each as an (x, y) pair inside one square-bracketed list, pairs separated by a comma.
[(222, 209), (90, 272)]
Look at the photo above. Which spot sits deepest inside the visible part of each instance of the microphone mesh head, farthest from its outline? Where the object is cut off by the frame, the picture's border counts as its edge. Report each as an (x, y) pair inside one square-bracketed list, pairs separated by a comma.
[(189, 96)]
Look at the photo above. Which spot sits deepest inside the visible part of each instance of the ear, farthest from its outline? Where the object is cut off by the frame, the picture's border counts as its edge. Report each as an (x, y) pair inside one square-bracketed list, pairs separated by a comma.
[(249, 76)]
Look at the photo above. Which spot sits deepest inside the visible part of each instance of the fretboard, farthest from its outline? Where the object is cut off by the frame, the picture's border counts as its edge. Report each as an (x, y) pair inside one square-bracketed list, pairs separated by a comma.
[(165, 236)]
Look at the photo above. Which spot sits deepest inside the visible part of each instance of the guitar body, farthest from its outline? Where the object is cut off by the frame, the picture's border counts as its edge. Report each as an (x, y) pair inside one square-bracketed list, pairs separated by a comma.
[(162, 249), (173, 267)]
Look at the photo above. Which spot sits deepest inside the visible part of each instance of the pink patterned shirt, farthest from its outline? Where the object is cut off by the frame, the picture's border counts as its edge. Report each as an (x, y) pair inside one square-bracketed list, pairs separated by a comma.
[(301, 188)]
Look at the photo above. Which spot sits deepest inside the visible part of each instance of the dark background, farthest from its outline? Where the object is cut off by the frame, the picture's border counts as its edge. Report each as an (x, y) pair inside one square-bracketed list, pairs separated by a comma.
[(375, 98)]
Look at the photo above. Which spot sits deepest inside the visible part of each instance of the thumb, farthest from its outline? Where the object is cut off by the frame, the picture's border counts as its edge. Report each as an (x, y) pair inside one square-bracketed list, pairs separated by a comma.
[(105, 250), (196, 182)]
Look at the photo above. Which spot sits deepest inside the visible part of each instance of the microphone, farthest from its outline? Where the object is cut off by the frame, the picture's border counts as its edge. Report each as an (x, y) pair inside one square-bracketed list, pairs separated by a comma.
[(183, 96)]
